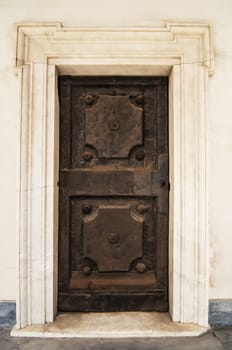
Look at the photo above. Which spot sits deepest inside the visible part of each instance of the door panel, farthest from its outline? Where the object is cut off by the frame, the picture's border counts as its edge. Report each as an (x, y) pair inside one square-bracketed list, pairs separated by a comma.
[(113, 201), (113, 126)]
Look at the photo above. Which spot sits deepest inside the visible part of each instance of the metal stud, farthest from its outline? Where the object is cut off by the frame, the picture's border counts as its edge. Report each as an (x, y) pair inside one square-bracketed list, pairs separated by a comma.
[(140, 267), (139, 99), (113, 238), (140, 155), (86, 208), (89, 99), (86, 270), (114, 124), (87, 156), (142, 208)]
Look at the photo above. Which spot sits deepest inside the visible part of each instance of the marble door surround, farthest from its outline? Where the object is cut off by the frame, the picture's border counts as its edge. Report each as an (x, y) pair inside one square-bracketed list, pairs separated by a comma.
[(182, 51)]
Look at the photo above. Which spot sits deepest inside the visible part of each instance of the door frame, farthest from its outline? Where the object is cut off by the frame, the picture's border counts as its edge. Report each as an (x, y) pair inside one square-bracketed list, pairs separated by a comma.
[(181, 51)]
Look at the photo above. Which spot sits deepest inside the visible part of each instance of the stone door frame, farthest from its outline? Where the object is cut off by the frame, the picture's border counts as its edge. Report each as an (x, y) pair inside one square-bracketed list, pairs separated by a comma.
[(182, 51)]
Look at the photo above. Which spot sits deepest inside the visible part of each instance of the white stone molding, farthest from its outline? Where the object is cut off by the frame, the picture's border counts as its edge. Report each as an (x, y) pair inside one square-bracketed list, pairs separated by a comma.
[(181, 51)]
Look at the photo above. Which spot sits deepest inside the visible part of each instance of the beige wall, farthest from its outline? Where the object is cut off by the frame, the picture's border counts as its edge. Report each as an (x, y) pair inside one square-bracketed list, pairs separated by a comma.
[(130, 13)]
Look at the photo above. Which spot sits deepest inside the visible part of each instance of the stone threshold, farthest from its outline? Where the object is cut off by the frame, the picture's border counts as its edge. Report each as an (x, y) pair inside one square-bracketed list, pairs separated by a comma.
[(111, 325)]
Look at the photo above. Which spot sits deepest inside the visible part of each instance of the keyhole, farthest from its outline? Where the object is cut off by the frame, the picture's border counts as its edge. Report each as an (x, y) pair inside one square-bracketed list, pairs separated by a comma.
[(162, 183)]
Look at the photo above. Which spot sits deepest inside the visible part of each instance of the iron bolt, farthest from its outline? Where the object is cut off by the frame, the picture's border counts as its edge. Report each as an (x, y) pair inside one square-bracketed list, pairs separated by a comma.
[(140, 155), (87, 156), (140, 267), (140, 99), (86, 208), (113, 238), (89, 99), (86, 270), (114, 124), (142, 208)]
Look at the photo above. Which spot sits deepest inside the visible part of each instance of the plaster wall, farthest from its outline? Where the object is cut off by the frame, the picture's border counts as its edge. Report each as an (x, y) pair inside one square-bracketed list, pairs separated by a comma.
[(121, 13)]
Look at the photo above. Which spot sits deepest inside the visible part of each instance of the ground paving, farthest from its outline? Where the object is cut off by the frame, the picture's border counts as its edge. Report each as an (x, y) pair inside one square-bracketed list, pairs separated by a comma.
[(213, 340)]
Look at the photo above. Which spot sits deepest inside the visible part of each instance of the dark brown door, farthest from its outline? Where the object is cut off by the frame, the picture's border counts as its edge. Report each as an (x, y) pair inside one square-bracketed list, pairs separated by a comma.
[(113, 200)]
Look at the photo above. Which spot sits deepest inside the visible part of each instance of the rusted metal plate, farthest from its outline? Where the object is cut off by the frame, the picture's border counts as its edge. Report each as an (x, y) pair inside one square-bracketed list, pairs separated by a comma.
[(86, 210), (118, 232), (113, 202), (113, 126)]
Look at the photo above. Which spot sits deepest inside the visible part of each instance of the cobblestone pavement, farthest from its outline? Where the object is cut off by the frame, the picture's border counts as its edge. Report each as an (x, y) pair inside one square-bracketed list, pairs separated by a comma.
[(213, 340)]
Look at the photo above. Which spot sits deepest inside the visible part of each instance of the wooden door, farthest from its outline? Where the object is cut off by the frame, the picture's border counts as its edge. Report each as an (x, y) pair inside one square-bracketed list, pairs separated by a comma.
[(113, 198)]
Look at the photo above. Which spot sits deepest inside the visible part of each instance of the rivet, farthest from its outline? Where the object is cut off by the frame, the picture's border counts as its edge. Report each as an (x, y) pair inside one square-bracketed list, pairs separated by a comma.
[(142, 208), (89, 99), (86, 270), (86, 208), (87, 156), (113, 237), (140, 267), (140, 155), (114, 124), (140, 99)]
